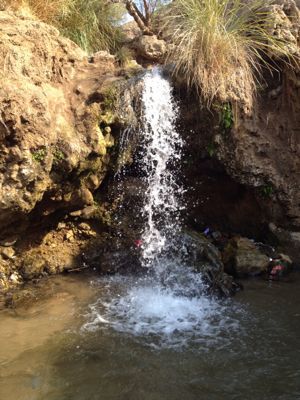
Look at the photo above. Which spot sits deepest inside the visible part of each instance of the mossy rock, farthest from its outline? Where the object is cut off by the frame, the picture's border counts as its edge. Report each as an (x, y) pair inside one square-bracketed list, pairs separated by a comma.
[(33, 265)]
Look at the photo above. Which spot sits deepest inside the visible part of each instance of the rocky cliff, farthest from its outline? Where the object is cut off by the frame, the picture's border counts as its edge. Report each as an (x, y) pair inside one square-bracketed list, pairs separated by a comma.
[(253, 157), (56, 141), (49, 133), (53, 154)]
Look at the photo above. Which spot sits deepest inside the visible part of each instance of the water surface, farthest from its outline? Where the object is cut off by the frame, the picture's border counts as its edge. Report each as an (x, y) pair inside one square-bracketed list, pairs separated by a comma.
[(48, 352)]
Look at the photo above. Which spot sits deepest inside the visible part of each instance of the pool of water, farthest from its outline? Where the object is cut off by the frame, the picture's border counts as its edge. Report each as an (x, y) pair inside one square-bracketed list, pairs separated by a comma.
[(92, 338)]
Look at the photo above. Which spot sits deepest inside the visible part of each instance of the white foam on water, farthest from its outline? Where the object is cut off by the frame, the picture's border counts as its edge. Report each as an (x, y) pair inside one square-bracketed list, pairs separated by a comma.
[(156, 316)]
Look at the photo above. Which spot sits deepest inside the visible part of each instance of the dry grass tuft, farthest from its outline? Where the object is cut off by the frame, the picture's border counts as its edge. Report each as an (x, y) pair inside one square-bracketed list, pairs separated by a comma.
[(92, 24), (219, 46)]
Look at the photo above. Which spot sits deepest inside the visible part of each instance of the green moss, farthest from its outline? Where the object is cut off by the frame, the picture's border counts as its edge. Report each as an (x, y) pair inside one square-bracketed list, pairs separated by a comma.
[(110, 98), (267, 190), (226, 117), (39, 155), (58, 155), (211, 149), (90, 165)]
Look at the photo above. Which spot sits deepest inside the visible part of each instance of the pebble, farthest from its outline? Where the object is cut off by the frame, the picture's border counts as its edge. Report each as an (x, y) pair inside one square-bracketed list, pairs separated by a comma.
[(15, 278), (9, 242), (8, 253), (84, 226), (69, 236), (61, 225)]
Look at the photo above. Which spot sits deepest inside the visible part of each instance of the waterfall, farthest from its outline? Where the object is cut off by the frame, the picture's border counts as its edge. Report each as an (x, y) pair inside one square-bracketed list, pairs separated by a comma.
[(167, 305), (162, 155)]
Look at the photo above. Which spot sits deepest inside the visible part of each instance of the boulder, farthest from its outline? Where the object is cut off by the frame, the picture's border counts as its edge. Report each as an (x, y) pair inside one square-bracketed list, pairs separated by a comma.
[(150, 47), (289, 241), (243, 258), (130, 31), (200, 254)]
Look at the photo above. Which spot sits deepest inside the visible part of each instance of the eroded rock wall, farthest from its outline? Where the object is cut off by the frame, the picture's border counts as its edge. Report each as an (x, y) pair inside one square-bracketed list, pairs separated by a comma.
[(53, 152), (50, 138), (260, 149)]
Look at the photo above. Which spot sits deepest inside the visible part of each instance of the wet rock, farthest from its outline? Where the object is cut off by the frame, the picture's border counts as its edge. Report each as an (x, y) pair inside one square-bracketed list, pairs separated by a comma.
[(242, 258), (228, 286), (33, 266), (289, 241), (21, 297), (250, 263), (200, 253), (199, 249)]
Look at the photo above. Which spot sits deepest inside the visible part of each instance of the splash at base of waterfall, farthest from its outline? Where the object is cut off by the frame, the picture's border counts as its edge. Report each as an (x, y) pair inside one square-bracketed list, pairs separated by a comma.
[(160, 317)]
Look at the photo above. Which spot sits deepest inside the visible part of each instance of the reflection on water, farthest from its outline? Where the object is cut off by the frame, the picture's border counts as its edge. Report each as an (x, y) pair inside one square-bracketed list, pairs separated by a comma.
[(46, 355)]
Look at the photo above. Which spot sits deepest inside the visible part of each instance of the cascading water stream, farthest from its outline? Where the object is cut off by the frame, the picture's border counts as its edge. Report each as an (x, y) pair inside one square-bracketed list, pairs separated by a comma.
[(163, 144), (168, 305)]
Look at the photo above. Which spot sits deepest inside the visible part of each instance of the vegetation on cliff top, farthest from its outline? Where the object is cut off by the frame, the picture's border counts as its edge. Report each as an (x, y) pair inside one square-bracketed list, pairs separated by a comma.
[(221, 45), (92, 24)]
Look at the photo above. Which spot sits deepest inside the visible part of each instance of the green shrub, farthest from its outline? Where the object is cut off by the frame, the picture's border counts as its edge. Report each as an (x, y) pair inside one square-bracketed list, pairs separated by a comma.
[(226, 117), (267, 190)]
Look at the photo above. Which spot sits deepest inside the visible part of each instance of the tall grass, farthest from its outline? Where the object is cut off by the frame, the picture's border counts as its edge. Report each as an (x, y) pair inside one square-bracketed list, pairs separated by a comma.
[(219, 46), (92, 24)]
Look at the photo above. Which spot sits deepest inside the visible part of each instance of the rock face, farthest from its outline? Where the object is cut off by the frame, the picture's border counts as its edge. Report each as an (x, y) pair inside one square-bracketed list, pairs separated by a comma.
[(260, 150), (263, 148), (55, 137), (52, 150)]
